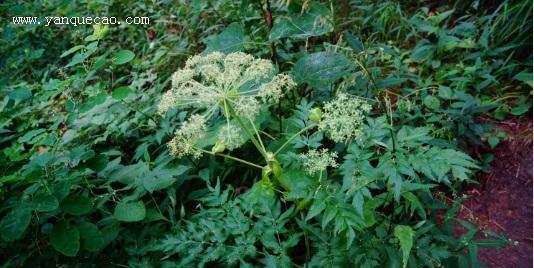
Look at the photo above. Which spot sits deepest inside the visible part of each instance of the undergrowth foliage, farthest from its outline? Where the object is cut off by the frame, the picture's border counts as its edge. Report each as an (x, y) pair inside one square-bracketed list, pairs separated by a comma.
[(254, 133)]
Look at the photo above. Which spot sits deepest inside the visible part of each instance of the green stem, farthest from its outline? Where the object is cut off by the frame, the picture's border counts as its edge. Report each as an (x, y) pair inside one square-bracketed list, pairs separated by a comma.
[(257, 135), (247, 131), (231, 157), (294, 136)]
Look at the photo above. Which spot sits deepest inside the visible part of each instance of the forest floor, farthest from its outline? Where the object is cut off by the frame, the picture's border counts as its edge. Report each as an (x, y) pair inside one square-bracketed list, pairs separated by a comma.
[(502, 201)]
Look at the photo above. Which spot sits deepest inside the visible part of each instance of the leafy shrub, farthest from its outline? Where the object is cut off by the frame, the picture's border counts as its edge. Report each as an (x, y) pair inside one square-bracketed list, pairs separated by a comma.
[(227, 133)]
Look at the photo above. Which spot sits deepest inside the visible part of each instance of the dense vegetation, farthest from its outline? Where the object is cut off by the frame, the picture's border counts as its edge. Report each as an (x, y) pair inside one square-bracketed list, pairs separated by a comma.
[(254, 133)]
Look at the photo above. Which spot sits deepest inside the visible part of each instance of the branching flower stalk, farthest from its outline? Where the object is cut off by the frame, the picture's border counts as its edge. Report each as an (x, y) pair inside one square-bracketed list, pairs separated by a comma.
[(233, 87)]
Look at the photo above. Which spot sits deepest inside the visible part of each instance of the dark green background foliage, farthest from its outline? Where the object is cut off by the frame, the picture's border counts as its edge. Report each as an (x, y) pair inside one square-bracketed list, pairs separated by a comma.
[(87, 180)]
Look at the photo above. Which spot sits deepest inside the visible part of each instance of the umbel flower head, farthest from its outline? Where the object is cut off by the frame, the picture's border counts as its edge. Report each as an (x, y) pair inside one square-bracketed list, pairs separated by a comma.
[(318, 160), (217, 84), (187, 136), (341, 118), (210, 80)]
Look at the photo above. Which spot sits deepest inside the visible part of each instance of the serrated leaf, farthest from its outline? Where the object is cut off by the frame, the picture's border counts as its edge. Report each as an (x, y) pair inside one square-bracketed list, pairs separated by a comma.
[(405, 235), (316, 208), (65, 238), (130, 211), (122, 57)]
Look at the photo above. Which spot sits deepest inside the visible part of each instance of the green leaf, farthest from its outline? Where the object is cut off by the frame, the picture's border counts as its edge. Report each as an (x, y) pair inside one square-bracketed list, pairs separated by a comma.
[(321, 69), (71, 50), (20, 94), (77, 205), (423, 51), (525, 77), (45, 203), (493, 141), (354, 42), (121, 93), (91, 238), (122, 57), (405, 235), (317, 207), (65, 238), (31, 134), (230, 40), (15, 223), (431, 102), (130, 211), (296, 25)]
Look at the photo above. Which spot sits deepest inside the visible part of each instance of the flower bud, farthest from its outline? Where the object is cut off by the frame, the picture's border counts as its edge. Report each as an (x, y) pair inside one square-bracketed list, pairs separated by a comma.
[(315, 115)]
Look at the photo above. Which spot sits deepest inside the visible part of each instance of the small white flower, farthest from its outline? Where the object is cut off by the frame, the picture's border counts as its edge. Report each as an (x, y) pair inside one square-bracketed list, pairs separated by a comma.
[(318, 160), (247, 106), (342, 118), (274, 90), (230, 136), (182, 76), (214, 57), (185, 138), (217, 83), (259, 69)]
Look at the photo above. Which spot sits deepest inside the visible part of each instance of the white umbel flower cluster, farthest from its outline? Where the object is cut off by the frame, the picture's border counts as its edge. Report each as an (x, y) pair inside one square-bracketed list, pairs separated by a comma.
[(206, 81), (341, 118), (185, 138), (231, 136), (318, 160), (230, 85)]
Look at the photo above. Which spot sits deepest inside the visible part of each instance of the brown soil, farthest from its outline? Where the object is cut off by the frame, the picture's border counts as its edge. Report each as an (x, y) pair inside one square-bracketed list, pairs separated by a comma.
[(502, 201)]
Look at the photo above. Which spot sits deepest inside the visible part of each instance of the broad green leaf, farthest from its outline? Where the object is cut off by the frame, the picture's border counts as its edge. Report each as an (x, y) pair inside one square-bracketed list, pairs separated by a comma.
[(524, 77), (109, 233), (121, 93), (230, 40), (77, 205), (65, 238), (390, 82), (423, 51), (431, 102), (405, 235), (153, 183), (15, 223), (91, 238), (20, 94), (354, 42), (45, 203), (493, 141), (315, 22), (122, 57), (31, 134), (321, 69), (130, 211)]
